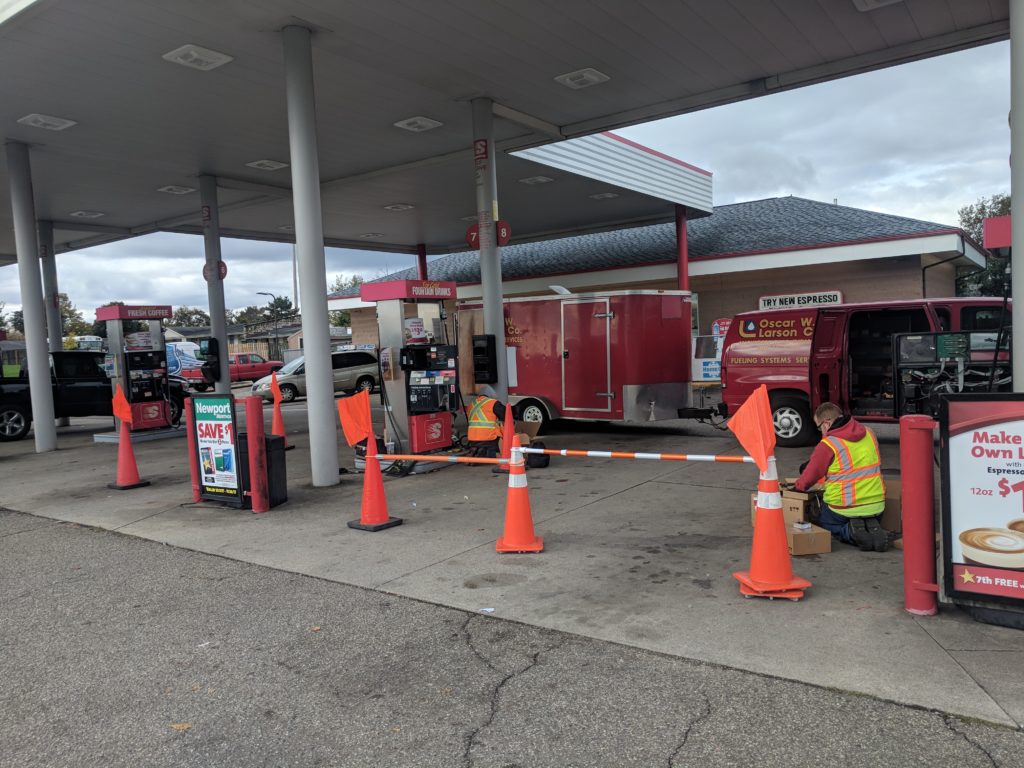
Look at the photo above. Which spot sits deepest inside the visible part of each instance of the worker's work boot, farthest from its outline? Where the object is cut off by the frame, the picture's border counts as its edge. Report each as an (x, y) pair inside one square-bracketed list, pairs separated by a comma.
[(879, 536), (861, 535)]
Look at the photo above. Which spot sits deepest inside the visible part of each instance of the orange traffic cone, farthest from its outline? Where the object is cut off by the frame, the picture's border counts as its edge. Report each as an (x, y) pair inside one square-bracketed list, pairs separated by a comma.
[(374, 515), (506, 440), (277, 425), (519, 535), (127, 469), (770, 574)]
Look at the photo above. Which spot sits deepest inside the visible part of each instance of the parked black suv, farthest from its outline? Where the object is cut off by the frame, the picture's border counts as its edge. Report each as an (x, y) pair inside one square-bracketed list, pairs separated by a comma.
[(80, 388)]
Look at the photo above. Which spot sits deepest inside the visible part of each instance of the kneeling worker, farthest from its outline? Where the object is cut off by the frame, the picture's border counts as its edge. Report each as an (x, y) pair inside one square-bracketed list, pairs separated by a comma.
[(854, 496), (486, 416)]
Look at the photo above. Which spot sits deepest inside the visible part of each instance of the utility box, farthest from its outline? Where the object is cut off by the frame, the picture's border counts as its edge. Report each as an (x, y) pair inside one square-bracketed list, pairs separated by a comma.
[(485, 359), (277, 475)]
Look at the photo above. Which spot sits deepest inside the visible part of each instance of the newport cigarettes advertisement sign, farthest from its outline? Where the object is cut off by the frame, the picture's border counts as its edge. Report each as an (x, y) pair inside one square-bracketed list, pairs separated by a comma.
[(983, 497), (798, 300), (217, 448)]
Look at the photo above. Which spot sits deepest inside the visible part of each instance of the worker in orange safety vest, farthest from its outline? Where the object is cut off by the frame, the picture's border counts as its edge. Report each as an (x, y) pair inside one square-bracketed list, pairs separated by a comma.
[(854, 495), (486, 415)]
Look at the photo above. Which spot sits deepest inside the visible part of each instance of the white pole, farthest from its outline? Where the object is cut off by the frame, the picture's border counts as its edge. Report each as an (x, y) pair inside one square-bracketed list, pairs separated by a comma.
[(1017, 186), (214, 284), (487, 213), (51, 293), (309, 245), (23, 212)]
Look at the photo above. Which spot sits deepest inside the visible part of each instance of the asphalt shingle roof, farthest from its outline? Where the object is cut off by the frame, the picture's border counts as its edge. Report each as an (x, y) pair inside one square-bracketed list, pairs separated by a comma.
[(774, 224)]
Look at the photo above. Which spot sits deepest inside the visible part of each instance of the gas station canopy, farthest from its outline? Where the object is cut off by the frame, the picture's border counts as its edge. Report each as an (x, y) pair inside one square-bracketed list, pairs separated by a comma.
[(125, 103)]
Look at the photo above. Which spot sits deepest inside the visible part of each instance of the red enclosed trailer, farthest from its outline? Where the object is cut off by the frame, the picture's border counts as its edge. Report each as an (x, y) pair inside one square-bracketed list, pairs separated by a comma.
[(612, 355)]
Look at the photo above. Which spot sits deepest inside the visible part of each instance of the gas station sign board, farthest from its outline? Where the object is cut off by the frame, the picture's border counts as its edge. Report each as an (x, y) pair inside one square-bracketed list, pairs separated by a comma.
[(213, 417), (983, 498)]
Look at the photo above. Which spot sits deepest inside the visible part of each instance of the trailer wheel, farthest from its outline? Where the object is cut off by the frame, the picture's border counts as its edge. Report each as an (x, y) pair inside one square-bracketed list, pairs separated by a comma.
[(532, 411), (15, 421), (791, 417), (200, 387)]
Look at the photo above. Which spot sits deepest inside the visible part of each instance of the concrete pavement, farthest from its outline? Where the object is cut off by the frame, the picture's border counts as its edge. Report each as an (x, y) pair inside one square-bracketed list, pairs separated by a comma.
[(638, 553), (122, 652)]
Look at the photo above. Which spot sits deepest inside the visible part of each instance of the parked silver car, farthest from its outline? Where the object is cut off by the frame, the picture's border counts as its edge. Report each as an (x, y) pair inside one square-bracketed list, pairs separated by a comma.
[(352, 371)]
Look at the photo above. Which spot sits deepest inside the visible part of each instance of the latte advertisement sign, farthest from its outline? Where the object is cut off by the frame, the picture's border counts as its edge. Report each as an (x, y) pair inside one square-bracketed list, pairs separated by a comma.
[(983, 497), (217, 448)]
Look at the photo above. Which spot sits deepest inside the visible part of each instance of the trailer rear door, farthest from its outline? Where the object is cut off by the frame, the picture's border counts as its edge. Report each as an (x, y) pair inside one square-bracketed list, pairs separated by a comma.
[(586, 356)]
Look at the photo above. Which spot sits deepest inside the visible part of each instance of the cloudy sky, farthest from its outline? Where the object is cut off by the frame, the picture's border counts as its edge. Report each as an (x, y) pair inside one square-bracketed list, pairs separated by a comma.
[(921, 140)]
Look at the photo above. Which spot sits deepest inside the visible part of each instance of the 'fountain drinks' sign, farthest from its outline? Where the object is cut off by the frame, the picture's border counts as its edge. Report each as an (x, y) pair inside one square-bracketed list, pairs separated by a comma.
[(983, 485), (216, 446)]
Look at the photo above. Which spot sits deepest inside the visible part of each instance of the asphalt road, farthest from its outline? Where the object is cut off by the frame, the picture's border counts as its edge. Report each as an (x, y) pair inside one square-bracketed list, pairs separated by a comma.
[(123, 652)]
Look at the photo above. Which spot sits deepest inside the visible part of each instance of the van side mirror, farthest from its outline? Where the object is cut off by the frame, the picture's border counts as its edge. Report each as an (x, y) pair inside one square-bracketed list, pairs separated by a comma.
[(210, 349)]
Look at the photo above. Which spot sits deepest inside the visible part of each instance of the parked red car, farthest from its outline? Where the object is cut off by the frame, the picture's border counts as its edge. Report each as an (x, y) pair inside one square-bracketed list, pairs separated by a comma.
[(244, 366)]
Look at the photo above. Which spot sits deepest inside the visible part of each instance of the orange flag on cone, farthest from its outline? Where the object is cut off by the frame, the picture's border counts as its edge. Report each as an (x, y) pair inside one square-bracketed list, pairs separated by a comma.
[(354, 413), (753, 427), (122, 410)]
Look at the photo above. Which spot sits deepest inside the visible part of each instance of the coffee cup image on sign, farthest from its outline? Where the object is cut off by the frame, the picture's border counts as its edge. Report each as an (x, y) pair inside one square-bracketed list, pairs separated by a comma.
[(1016, 525), (994, 547)]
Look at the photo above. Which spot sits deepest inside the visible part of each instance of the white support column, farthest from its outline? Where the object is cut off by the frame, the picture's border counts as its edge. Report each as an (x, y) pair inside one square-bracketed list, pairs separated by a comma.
[(1017, 185), (51, 299), (487, 214), (309, 247), (214, 283), (19, 170), (51, 293)]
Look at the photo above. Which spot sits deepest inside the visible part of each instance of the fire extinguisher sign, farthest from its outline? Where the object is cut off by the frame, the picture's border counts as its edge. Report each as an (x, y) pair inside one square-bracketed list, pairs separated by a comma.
[(216, 448)]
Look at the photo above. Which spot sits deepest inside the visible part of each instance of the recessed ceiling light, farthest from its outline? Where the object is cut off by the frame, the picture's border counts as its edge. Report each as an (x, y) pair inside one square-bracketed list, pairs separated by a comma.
[(48, 122), (582, 78), (267, 165), (536, 180), (869, 5), (174, 189), (417, 124), (87, 214), (287, 227), (197, 57), (603, 196), (399, 207), (474, 217), (372, 234)]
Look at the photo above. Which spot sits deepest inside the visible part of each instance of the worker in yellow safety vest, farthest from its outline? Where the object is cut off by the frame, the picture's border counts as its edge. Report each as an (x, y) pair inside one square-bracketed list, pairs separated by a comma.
[(854, 495), (486, 415)]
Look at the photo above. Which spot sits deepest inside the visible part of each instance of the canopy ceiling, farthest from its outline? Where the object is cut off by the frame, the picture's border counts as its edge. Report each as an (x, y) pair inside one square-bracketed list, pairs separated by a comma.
[(143, 123)]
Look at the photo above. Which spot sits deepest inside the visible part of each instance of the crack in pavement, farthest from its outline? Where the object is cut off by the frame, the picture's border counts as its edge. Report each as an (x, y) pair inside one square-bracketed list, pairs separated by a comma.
[(704, 714), (948, 720), (496, 693), (469, 643)]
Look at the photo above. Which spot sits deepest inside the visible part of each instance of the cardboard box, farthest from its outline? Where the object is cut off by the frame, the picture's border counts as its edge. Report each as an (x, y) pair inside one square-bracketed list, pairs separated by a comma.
[(892, 516), (816, 541), (792, 509)]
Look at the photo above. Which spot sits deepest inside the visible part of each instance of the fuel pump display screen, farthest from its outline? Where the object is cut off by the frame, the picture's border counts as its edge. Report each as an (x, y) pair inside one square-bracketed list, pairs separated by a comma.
[(433, 391)]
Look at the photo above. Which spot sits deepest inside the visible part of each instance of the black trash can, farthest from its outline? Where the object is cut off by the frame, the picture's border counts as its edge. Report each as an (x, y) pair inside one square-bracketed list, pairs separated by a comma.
[(277, 476)]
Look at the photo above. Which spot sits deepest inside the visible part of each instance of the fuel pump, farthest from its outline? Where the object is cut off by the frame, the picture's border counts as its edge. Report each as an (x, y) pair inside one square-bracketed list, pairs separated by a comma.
[(139, 362), (419, 370)]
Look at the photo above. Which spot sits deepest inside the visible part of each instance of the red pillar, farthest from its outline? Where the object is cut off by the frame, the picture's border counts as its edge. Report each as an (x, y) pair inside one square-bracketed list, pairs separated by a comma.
[(920, 590), (259, 491), (682, 249), (193, 459), (421, 260)]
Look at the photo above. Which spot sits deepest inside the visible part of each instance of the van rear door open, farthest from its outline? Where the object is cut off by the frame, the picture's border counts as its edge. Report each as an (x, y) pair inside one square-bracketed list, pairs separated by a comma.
[(828, 375)]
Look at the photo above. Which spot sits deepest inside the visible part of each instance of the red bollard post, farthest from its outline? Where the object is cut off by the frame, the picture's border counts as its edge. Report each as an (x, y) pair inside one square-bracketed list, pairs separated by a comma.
[(190, 434), (259, 492), (920, 590)]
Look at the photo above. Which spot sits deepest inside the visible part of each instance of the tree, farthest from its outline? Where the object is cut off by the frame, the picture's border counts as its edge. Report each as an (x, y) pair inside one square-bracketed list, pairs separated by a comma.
[(340, 318), (987, 282), (17, 321), (279, 307), (249, 315), (189, 317), (71, 319)]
